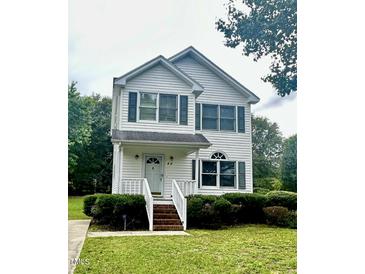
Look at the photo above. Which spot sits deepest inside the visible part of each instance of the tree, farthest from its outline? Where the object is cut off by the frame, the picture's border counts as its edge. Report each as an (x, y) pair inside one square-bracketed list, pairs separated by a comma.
[(266, 28), (79, 125), (94, 170), (289, 164), (266, 148)]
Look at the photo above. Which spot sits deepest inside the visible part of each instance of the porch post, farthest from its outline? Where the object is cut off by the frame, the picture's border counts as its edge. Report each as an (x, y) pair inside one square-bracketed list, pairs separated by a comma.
[(117, 167), (196, 171), (120, 168)]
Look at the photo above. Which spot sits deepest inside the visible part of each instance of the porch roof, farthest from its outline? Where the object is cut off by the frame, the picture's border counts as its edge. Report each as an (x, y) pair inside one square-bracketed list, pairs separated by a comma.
[(147, 137)]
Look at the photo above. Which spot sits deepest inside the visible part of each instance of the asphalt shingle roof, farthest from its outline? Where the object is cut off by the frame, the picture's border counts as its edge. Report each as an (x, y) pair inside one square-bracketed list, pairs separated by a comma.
[(160, 137)]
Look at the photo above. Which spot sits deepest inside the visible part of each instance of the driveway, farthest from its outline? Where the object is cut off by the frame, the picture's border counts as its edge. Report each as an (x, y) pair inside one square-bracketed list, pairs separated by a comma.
[(77, 230)]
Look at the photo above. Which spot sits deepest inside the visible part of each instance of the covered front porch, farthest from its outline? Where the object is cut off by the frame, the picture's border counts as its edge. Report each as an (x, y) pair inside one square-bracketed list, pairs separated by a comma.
[(158, 157), (157, 165)]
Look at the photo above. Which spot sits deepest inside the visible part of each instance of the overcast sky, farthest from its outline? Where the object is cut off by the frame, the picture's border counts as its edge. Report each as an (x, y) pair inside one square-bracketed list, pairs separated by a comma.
[(109, 38)]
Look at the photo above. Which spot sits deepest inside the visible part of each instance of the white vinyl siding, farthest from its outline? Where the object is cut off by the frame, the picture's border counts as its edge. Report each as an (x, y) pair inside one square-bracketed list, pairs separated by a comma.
[(237, 146), (178, 168), (158, 80)]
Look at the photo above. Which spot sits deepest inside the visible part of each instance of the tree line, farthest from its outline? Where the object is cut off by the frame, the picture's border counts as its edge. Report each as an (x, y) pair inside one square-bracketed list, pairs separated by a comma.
[(90, 150)]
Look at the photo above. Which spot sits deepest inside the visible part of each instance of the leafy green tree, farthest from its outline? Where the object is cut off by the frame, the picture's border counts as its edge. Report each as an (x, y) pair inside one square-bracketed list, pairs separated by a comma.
[(289, 164), (266, 148), (94, 170), (79, 125), (266, 28)]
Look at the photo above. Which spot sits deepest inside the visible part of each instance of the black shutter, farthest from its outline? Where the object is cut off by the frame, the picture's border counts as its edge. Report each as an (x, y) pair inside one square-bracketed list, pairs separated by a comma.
[(183, 110), (193, 170), (241, 175), (132, 107), (241, 119), (197, 116)]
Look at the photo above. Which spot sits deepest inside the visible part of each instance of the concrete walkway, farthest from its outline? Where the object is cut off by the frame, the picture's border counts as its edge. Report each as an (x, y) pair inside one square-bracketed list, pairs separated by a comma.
[(136, 233), (77, 230)]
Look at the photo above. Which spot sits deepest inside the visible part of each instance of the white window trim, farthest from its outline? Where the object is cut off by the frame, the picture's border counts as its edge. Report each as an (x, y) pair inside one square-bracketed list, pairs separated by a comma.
[(139, 107), (156, 121), (235, 118), (201, 117), (218, 186), (219, 130)]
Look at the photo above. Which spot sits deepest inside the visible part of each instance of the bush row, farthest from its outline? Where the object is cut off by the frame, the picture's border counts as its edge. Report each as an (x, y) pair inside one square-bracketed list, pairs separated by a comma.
[(239, 208), (108, 209)]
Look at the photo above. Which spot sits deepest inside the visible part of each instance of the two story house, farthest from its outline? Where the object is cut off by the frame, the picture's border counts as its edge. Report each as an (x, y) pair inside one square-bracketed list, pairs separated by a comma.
[(180, 126)]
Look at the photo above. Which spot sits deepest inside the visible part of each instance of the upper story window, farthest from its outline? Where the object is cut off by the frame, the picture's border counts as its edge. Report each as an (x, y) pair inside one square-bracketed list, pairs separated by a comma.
[(168, 108), (158, 107), (228, 118), (148, 106), (219, 117), (210, 117)]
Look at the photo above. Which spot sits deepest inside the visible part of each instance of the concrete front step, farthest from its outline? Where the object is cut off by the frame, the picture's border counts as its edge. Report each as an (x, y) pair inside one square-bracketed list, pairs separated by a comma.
[(167, 227)]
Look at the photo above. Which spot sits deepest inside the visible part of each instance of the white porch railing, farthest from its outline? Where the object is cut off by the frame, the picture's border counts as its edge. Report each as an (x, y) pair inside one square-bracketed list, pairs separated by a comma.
[(187, 186), (180, 202), (130, 186), (149, 202), (139, 186)]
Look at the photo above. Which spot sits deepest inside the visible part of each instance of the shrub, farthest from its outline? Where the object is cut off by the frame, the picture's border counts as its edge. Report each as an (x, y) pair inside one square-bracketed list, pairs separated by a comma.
[(222, 208), (282, 198), (270, 183), (201, 212), (108, 209), (248, 207), (260, 190), (89, 202), (280, 216)]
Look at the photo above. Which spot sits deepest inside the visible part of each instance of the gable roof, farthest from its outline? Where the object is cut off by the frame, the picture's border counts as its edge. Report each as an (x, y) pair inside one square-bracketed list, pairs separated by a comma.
[(199, 57), (160, 60)]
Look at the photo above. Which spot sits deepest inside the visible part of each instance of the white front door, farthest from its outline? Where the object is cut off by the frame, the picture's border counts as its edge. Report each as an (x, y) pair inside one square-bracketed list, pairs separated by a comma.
[(154, 173)]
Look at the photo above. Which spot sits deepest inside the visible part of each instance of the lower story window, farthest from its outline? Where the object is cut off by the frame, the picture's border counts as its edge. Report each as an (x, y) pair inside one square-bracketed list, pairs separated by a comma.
[(227, 174), (209, 173), (218, 173)]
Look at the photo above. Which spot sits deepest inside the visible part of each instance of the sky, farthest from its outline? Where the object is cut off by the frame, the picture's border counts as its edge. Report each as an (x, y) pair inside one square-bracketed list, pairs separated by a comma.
[(109, 38)]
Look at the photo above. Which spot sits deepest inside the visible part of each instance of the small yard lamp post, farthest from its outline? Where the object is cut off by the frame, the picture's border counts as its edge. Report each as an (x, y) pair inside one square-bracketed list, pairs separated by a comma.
[(125, 221)]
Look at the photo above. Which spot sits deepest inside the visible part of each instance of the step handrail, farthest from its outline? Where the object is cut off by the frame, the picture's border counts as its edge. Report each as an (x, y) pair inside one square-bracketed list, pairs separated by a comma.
[(146, 191), (180, 202)]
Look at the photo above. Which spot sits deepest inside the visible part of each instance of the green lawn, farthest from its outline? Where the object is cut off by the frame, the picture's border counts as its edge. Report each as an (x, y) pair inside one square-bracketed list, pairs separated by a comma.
[(246, 249), (75, 207)]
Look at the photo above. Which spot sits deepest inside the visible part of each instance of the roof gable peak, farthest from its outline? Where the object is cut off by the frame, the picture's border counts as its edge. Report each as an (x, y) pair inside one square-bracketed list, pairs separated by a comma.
[(203, 60), (159, 60)]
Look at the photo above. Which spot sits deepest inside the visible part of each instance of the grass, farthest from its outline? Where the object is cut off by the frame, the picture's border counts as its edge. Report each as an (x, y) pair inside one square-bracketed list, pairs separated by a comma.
[(75, 207), (246, 249)]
